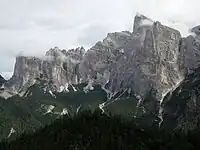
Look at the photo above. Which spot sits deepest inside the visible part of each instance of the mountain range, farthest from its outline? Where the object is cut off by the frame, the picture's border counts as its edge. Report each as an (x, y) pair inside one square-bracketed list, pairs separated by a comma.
[(150, 73)]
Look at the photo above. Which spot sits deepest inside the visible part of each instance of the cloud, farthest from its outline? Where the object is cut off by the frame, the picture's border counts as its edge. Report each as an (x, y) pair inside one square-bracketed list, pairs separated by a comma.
[(6, 75), (99, 32), (34, 26)]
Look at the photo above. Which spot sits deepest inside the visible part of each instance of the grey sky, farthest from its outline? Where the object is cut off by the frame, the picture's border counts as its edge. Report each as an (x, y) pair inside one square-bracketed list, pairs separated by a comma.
[(34, 26)]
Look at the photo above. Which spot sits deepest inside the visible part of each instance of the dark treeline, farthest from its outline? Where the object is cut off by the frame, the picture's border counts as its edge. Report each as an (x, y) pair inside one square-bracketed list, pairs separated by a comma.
[(96, 131)]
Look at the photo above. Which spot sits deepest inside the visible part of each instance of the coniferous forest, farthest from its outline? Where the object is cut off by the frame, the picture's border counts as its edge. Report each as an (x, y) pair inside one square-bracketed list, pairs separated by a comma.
[(97, 131)]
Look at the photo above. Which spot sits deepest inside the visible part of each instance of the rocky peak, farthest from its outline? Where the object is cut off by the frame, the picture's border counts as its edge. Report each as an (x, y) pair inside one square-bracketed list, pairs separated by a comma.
[(53, 52), (196, 30), (141, 20), (116, 39), (79, 50), (76, 54)]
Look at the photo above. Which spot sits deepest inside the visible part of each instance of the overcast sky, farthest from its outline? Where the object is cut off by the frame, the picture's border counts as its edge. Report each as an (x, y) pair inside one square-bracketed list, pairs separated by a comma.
[(32, 27)]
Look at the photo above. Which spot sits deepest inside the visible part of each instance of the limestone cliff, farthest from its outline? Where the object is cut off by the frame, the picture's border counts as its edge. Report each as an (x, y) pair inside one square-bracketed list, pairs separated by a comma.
[(152, 56)]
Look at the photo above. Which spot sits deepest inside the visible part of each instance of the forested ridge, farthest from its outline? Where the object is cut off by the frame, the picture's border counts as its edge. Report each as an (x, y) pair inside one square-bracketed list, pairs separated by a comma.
[(96, 131)]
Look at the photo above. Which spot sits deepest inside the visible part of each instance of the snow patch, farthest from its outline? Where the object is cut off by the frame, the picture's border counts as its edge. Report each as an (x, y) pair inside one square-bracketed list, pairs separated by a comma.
[(64, 112), (76, 79), (48, 108), (78, 108), (89, 87), (74, 89), (61, 89), (121, 51), (66, 87), (12, 130), (52, 94), (139, 100), (101, 106), (129, 90), (45, 90)]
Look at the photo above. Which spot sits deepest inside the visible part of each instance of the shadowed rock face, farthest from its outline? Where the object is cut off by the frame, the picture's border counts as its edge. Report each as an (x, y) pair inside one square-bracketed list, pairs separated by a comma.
[(182, 105), (153, 56), (2, 80), (190, 51)]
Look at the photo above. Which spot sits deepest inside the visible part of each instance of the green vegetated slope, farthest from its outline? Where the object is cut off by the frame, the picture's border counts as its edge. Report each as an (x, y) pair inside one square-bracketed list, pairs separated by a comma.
[(29, 112), (97, 131)]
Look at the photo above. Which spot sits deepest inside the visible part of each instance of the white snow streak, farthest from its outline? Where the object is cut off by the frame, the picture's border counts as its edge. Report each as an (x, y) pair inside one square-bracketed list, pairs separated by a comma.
[(77, 110), (64, 112), (12, 130), (48, 108), (52, 94)]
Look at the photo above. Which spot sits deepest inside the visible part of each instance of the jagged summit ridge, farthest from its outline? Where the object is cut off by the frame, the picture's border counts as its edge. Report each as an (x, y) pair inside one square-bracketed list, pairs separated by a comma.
[(57, 66), (153, 56)]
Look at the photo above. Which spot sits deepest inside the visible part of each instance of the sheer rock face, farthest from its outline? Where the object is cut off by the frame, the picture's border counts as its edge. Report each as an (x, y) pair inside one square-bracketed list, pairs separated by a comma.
[(57, 67), (149, 60), (190, 51), (152, 56)]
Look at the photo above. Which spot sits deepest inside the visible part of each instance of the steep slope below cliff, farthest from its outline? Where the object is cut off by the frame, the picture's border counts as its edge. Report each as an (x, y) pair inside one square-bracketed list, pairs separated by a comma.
[(182, 106)]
